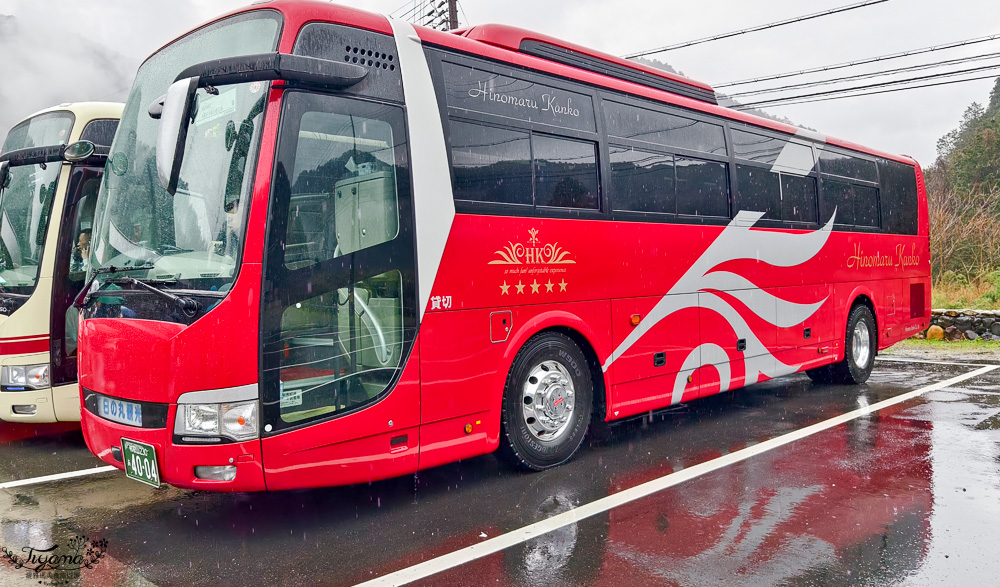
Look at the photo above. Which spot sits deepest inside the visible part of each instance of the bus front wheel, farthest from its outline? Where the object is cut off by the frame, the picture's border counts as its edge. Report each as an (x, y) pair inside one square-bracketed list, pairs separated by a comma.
[(860, 344), (547, 402)]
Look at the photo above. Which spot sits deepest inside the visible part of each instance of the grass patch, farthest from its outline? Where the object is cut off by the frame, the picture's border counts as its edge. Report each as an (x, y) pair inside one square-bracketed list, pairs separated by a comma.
[(917, 344), (955, 291)]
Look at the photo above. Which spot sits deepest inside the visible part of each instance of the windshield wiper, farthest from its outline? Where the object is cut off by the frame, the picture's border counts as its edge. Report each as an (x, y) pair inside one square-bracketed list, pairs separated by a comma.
[(84, 295), (189, 306)]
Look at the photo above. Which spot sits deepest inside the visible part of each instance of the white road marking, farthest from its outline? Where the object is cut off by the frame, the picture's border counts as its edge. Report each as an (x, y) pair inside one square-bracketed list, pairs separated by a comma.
[(57, 477), (514, 537), (926, 362), (972, 391)]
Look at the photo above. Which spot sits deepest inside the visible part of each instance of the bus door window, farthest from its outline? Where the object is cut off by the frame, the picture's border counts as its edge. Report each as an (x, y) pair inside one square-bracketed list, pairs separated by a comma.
[(338, 270), (70, 272)]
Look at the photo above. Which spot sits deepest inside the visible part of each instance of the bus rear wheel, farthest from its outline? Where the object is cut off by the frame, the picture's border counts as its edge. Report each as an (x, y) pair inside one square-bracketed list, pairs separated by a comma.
[(860, 344), (547, 403)]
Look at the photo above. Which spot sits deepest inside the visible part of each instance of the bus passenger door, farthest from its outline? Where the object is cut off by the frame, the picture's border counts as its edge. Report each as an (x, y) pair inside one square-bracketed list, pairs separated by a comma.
[(69, 274), (340, 370)]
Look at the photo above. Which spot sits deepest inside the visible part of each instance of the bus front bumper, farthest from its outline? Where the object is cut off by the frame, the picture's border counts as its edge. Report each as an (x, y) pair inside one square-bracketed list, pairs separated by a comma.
[(176, 463), (41, 406)]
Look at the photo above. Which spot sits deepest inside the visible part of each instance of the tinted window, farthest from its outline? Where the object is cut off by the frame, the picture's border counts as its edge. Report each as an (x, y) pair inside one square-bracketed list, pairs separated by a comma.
[(758, 190), (899, 197), (664, 129), (847, 166), (565, 172), (478, 90), (643, 181), (491, 164), (798, 198), (865, 206), (838, 198), (781, 154), (756, 147), (100, 132), (702, 188)]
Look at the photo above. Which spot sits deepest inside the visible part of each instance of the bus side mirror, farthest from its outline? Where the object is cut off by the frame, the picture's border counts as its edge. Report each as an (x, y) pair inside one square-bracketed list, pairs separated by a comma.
[(78, 151), (4, 167), (175, 117)]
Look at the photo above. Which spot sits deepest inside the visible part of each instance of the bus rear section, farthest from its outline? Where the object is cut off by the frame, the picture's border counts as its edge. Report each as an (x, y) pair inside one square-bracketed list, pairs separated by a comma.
[(54, 163), (382, 248)]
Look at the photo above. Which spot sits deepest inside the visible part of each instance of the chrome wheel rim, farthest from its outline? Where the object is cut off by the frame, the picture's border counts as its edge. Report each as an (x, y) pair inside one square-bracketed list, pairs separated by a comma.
[(861, 344), (547, 400)]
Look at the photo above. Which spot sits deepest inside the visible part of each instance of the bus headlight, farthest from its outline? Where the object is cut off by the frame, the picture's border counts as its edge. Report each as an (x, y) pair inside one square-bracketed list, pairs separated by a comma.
[(237, 421), (22, 378)]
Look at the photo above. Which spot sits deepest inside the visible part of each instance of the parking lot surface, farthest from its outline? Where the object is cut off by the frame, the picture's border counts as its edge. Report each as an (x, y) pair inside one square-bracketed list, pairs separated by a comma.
[(787, 482)]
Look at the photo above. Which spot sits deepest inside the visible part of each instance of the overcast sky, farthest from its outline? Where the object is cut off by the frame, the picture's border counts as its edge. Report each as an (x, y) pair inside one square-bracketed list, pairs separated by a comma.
[(59, 50)]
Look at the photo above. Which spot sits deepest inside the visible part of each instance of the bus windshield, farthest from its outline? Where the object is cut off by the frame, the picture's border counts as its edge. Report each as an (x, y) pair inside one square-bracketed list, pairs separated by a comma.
[(192, 239), (26, 201), (25, 205)]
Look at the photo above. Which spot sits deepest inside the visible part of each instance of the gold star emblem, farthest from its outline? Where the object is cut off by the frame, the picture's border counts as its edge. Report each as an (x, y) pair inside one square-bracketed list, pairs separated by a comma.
[(562, 285), (520, 287), (535, 286), (504, 289), (549, 286)]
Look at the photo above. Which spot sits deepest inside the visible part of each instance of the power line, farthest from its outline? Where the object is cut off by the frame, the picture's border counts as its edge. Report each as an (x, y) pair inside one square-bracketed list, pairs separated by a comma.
[(869, 86), (756, 28), (404, 5), (824, 99), (860, 61), (868, 75)]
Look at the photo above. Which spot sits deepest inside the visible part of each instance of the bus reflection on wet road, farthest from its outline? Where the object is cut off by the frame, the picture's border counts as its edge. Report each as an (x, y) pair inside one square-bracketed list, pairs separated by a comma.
[(905, 495)]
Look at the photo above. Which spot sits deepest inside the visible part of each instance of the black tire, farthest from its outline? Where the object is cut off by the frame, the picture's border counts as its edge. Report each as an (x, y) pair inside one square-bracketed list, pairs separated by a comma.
[(521, 442), (850, 371)]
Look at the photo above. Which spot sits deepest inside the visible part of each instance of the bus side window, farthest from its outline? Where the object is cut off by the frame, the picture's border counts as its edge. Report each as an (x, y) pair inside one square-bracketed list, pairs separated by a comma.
[(491, 164), (702, 187), (565, 172), (898, 195), (643, 181)]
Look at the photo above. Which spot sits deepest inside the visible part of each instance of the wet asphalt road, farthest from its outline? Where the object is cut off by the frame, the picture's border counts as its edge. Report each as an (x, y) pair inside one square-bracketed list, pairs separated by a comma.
[(907, 495)]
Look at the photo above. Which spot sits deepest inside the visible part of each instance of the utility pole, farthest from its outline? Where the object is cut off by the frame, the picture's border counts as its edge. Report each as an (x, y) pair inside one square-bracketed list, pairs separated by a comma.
[(452, 14)]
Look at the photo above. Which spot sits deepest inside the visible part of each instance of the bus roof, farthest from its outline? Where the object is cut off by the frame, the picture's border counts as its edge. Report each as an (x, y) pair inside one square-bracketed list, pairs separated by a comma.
[(504, 43), (83, 110)]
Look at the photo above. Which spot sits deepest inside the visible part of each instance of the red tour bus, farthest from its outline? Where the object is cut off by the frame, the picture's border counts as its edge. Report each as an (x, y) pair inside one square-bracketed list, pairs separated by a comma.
[(334, 247)]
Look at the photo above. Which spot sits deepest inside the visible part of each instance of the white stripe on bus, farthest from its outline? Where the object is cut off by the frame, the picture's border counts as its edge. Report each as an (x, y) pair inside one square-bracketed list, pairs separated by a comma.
[(434, 207), (514, 537)]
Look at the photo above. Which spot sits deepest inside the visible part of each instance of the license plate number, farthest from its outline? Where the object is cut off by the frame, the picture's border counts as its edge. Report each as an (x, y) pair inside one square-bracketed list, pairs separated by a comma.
[(140, 462), (120, 411)]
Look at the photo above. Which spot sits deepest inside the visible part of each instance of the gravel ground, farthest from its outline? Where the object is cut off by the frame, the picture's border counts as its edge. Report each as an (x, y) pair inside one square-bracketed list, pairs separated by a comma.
[(965, 352)]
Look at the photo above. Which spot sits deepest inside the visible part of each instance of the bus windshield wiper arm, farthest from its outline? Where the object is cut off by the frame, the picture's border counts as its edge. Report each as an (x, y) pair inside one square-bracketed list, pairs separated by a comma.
[(85, 294), (189, 306)]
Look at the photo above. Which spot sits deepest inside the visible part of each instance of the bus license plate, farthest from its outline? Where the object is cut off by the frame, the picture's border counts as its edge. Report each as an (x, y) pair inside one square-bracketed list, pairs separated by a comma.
[(140, 462), (118, 411)]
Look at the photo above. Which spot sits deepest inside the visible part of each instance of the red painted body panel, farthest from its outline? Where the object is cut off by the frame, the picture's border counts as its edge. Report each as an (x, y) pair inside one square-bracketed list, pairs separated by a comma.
[(177, 462), (24, 345), (355, 448)]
